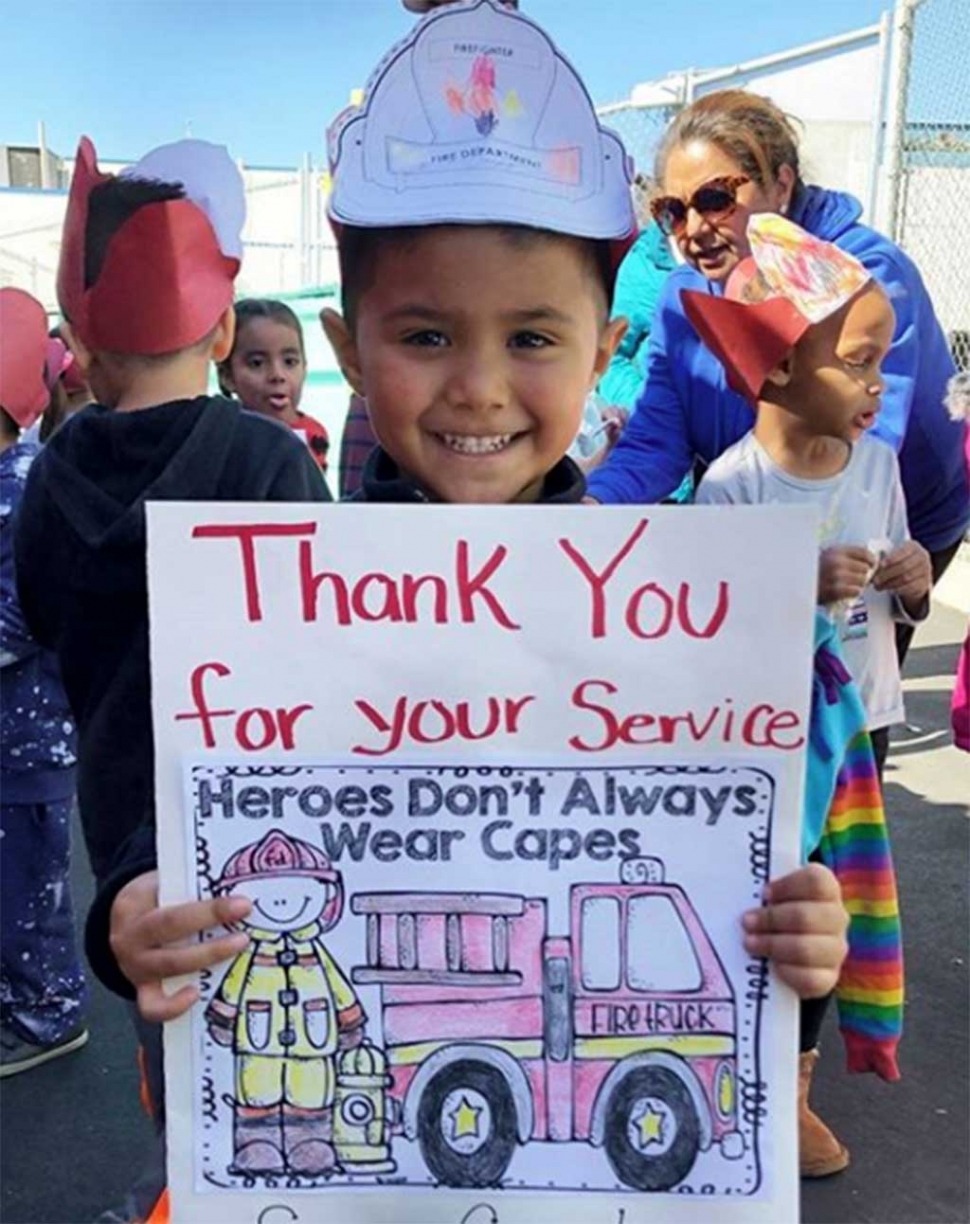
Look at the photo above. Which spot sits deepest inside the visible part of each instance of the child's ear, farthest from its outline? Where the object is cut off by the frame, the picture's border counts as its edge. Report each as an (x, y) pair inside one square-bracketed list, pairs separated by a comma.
[(344, 347), (82, 354), (609, 341), (782, 374), (224, 335)]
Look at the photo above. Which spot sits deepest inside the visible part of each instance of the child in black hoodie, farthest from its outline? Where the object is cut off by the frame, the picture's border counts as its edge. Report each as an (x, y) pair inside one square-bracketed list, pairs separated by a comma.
[(145, 285), (476, 294)]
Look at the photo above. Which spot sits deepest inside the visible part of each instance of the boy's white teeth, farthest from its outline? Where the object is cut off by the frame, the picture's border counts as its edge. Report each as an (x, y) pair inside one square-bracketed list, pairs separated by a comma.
[(473, 444)]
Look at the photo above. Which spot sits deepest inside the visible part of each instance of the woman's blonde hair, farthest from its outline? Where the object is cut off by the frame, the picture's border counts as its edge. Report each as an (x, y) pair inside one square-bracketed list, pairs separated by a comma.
[(749, 129)]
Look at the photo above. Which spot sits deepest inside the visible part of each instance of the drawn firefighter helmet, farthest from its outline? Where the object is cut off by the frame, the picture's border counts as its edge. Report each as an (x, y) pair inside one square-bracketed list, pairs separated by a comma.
[(278, 854)]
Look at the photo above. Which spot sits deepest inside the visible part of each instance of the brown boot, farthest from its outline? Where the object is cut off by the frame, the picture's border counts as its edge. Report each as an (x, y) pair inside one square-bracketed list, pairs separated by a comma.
[(308, 1136), (819, 1152), (257, 1141)]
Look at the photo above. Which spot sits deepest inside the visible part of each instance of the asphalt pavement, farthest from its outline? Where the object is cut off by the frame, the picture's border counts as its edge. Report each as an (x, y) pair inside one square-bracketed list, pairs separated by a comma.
[(73, 1137)]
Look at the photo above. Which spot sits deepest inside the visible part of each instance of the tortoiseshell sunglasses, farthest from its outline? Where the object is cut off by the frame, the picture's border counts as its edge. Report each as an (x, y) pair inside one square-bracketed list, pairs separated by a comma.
[(714, 200)]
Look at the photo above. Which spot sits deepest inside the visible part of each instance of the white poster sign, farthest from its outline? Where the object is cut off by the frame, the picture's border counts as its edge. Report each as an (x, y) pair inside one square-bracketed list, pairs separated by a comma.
[(500, 784)]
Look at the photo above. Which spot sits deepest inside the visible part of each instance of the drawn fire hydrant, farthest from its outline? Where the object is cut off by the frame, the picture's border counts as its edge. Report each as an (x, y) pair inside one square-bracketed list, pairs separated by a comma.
[(364, 1113), (285, 1009)]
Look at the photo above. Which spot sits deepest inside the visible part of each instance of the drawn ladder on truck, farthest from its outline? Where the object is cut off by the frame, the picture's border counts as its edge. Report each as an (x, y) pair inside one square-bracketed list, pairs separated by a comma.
[(621, 1034)]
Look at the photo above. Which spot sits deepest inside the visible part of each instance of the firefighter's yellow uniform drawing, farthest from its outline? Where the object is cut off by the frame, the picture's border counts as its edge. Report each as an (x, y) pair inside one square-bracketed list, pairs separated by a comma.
[(285, 1008)]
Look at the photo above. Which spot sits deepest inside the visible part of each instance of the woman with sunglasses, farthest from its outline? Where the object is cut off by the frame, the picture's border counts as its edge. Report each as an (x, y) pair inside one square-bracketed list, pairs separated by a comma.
[(728, 155)]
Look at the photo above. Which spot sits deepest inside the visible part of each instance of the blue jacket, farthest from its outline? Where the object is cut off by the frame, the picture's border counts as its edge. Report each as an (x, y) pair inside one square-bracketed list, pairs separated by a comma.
[(638, 286), (37, 734), (687, 412)]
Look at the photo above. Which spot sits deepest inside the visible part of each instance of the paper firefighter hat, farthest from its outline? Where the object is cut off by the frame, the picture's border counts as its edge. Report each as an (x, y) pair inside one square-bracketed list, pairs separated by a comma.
[(24, 356), (790, 282), (477, 118), (168, 270)]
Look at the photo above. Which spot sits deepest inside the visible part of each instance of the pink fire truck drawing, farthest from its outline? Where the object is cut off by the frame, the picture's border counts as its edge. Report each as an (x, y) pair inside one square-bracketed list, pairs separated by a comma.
[(621, 1034)]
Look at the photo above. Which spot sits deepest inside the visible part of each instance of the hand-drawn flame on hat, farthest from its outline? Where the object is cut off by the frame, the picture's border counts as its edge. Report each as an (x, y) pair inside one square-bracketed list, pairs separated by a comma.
[(791, 281), (168, 271)]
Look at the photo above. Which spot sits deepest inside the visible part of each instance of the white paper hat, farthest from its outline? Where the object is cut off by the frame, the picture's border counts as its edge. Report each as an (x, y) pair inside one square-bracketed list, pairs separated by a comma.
[(476, 117), (211, 179)]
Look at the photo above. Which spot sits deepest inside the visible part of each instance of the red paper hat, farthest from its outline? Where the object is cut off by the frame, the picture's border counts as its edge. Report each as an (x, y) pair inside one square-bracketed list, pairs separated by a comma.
[(749, 340), (169, 269), (23, 350), (791, 281)]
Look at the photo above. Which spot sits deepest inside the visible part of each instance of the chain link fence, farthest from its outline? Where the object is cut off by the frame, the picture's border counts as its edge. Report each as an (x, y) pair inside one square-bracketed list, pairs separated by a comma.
[(933, 206), (641, 129)]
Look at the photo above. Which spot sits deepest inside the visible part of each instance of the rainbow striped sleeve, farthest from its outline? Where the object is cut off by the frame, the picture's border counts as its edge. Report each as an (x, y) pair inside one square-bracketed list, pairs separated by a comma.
[(855, 845)]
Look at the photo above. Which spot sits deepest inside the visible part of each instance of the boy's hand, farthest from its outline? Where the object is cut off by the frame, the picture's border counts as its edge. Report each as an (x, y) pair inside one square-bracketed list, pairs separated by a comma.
[(149, 943), (801, 930), (906, 572), (843, 572)]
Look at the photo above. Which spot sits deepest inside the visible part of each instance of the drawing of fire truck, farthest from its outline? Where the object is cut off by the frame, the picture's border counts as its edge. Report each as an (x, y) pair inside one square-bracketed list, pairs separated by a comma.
[(621, 1034)]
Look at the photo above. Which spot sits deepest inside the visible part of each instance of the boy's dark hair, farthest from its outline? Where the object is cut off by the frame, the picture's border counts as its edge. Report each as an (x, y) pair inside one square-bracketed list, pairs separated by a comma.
[(358, 248), (258, 308), (109, 206)]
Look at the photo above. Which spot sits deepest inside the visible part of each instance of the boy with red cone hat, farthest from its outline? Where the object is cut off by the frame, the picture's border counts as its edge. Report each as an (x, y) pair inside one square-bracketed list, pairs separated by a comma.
[(145, 284), (801, 331)]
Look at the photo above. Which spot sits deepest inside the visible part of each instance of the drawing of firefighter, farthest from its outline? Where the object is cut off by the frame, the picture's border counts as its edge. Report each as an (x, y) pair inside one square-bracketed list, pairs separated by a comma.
[(286, 1010)]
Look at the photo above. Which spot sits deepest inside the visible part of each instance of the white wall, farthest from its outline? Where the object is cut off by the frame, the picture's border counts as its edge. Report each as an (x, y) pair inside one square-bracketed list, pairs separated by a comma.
[(831, 90)]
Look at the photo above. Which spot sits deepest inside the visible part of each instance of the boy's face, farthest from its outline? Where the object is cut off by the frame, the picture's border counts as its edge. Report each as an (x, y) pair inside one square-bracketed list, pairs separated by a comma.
[(475, 352), (836, 382)]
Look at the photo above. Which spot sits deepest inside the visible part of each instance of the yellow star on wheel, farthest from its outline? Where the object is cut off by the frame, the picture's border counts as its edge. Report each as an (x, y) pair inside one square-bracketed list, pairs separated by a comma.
[(650, 1126), (464, 1120)]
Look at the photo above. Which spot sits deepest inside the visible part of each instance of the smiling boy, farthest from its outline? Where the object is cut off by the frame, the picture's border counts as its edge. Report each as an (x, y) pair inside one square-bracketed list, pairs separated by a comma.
[(481, 212), (475, 349)]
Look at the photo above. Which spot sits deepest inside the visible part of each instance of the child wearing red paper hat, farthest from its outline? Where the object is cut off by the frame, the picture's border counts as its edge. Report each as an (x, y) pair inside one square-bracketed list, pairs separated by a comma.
[(145, 284), (481, 211), (802, 330), (42, 989)]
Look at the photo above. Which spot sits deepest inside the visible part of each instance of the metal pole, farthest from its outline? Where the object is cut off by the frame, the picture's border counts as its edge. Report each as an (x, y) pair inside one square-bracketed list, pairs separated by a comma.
[(821, 46), (306, 270), (301, 229), (878, 114), (45, 178), (902, 51)]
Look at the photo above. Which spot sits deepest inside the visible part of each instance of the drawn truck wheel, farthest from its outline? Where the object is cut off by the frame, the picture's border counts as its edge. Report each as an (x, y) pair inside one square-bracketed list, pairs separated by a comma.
[(467, 1125), (652, 1129)]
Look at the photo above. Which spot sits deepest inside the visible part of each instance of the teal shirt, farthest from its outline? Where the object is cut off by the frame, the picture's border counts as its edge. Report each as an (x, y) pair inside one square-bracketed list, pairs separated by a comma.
[(638, 284)]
